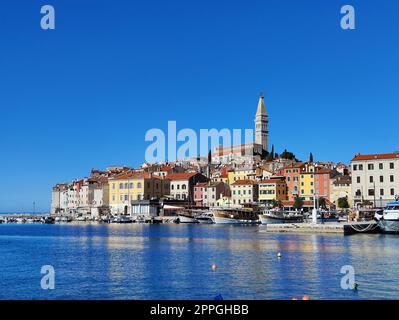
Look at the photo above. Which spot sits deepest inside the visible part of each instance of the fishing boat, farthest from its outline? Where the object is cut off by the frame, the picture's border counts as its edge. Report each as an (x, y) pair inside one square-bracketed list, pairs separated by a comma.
[(235, 216), (388, 219), (280, 216), (47, 220)]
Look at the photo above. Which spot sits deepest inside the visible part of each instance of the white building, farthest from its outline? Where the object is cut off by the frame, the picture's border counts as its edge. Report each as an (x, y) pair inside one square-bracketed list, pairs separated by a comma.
[(375, 178)]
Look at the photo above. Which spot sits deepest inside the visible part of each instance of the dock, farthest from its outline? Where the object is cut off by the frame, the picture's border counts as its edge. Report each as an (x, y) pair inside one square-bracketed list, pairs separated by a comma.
[(345, 228)]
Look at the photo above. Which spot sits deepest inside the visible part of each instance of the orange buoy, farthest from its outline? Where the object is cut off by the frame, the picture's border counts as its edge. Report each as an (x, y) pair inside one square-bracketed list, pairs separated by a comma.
[(214, 267)]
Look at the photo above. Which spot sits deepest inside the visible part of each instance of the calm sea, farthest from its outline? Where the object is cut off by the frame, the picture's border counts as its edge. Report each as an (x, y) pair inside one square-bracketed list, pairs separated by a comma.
[(140, 261)]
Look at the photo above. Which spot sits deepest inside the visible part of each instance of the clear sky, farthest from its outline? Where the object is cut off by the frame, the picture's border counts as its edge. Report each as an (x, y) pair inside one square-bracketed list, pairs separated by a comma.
[(84, 95)]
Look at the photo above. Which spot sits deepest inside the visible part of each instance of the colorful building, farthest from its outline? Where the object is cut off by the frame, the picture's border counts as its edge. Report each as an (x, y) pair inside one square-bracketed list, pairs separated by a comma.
[(271, 189), (130, 186), (244, 192)]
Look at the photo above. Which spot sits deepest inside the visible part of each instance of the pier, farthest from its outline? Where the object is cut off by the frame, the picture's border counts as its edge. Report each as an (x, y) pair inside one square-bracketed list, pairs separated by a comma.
[(325, 228)]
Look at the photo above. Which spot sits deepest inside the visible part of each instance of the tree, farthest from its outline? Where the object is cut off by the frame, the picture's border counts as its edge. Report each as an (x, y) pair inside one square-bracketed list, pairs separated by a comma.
[(270, 156), (276, 203), (298, 203), (311, 157), (343, 203), (322, 203), (287, 155)]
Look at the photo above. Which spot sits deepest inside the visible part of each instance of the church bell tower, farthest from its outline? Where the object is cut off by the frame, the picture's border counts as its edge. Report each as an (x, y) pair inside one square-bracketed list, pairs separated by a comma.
[(261, 124)]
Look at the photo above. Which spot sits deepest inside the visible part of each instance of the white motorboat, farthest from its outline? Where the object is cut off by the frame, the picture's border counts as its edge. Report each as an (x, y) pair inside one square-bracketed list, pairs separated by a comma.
[(235, 216), (280, 216), (186, 217), (205, 218), (388, 219), (122, 219)]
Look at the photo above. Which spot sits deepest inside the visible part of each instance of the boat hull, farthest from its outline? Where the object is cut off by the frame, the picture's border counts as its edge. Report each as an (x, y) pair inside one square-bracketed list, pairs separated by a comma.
[(389, 226), (268, 220), (186, 219), (223, 220)]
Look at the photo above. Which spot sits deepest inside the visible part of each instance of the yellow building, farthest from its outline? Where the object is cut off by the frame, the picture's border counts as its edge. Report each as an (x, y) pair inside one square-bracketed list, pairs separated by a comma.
[(272, 189), (130, 186), (307, 185)]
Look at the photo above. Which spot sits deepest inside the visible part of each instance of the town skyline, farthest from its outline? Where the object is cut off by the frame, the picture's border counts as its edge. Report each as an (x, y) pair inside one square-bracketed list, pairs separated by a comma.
[(83, 95)]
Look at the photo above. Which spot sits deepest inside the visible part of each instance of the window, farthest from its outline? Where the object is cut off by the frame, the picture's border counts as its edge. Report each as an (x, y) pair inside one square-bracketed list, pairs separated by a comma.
[(178, 187), (121, 186), (381, 178), (392, 192), (391, 179), (391, 165), (381, 192), (358, 193), (371, 179), (354, 167), (371, 192), (113, 186), (360, 167), (183, 187), (358, 179), (139, 185), (173, 187), (126, 197), (381, 166), (288, 179), (371, 166), (126, 185), (131, 186)]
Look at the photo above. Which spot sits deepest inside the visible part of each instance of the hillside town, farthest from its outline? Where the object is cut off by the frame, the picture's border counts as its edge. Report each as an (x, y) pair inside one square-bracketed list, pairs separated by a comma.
[(236, 176)]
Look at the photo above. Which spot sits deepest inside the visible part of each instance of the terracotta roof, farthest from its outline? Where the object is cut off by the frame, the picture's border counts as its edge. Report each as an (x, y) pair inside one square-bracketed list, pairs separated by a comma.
[(359, 157), (201, 184), (276, 180), (181, 176), (294, 165), (245, 182), (166, 168)]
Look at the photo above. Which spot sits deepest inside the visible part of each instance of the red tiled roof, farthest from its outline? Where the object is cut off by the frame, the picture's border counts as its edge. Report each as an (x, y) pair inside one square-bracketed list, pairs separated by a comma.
[(245, 182), (166, 168), (201, 184), (359, 157), (276, 180), (181, 176)]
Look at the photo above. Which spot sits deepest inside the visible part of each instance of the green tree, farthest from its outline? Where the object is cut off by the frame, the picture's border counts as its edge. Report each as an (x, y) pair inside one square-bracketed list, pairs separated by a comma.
[(298, 203), (270, 156), (276, 203), (322, 203), (287, 155), (343, 203)]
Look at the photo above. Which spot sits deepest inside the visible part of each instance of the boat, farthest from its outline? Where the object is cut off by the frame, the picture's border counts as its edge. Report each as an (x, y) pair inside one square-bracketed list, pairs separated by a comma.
[(388, 219), (65, 219), (122, 219), (280, 216), (80, 218), (48, 220), (235, 216), (186, 217), (205, 218)]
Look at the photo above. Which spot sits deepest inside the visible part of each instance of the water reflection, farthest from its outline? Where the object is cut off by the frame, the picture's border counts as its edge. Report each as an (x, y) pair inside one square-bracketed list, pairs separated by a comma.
[(141, 261)]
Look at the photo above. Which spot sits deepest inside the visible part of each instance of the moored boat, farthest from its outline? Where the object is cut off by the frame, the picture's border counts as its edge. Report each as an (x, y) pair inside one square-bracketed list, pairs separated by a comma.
[(186, 217), (388, 219), (280, 216), (235, 216)]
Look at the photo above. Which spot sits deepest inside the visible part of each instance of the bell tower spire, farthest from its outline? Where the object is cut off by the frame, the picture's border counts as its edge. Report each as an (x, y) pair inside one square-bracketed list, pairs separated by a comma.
[(261, 124)]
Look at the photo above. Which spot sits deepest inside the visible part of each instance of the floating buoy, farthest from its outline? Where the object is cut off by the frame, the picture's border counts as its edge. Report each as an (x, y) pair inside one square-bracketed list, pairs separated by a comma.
[(279, 255), (306, 297), (214, 267)]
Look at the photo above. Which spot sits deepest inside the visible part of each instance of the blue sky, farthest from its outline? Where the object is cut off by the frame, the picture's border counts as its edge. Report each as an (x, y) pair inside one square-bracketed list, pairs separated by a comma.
[(84, 95)]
